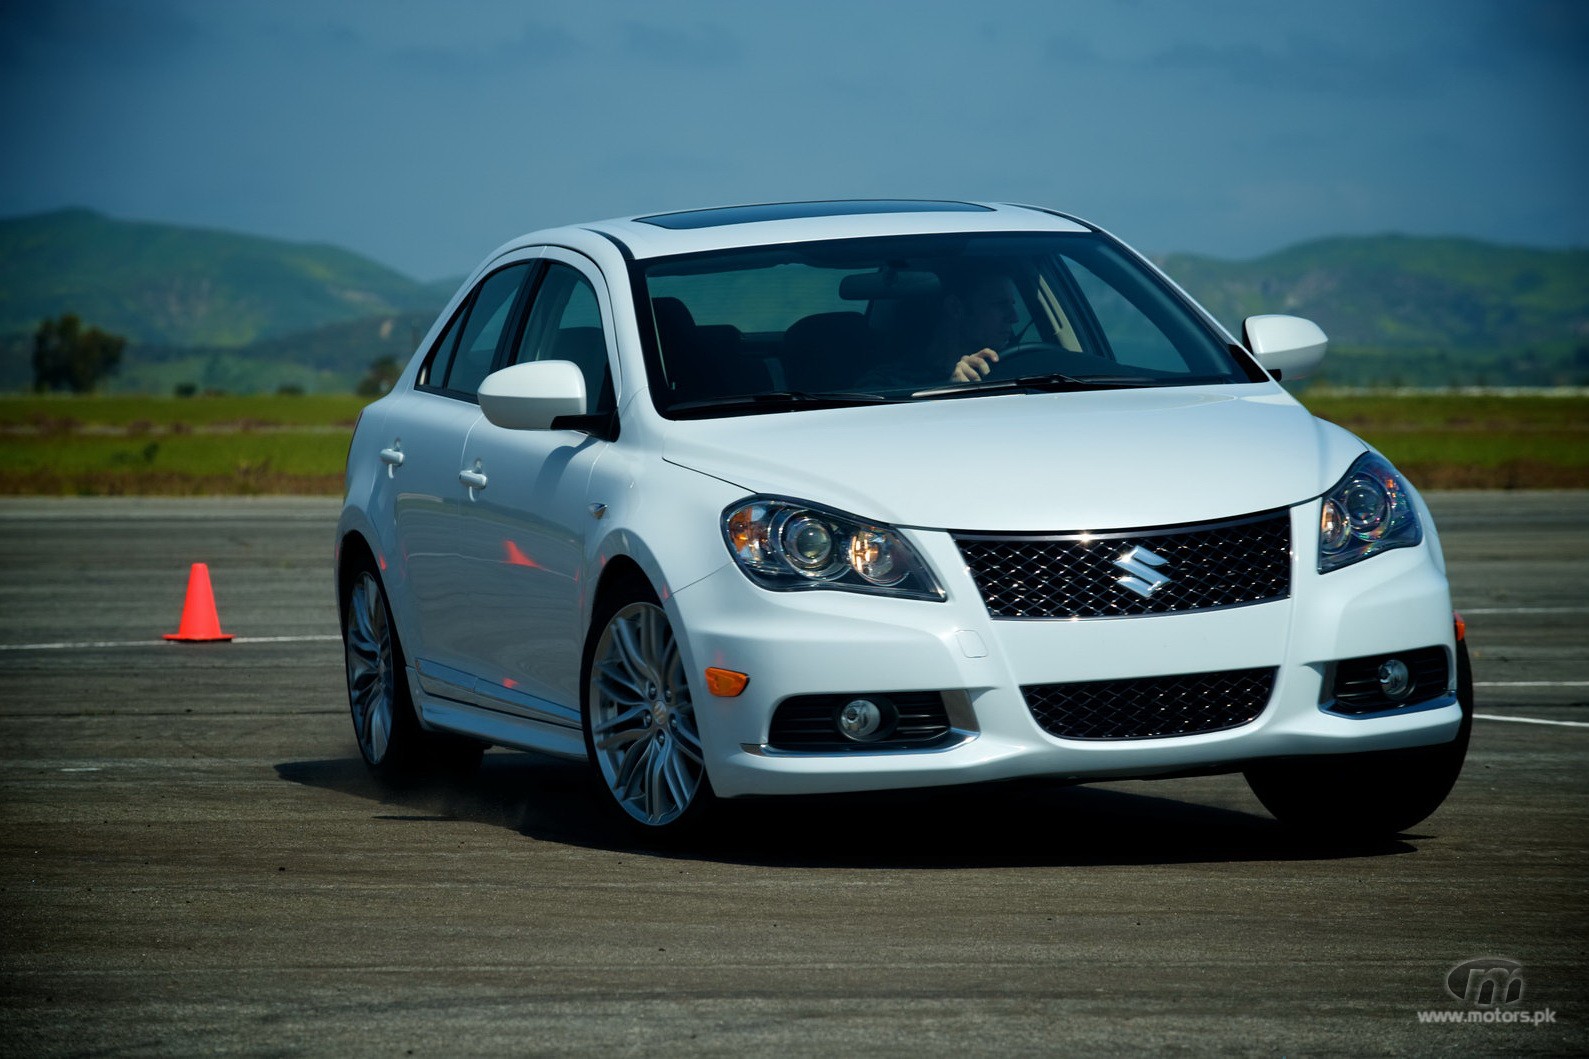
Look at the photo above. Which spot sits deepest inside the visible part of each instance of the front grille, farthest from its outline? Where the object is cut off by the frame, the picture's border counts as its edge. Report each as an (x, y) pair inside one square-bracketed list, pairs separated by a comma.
[(1151, 707), (1357, 689), (810, 722), (1079, 575)]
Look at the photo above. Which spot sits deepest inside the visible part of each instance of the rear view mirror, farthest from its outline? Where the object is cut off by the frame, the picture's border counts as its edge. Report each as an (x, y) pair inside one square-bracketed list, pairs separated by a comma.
[(1286, 346), (888, 283), (529, 396)]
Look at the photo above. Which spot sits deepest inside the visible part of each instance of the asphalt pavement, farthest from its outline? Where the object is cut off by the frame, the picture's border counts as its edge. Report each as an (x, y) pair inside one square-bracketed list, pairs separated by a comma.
[(193, 858)]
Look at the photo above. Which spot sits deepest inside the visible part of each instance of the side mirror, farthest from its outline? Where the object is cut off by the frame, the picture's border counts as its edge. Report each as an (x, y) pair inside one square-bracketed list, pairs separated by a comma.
[(1286, 346), (529, 396)]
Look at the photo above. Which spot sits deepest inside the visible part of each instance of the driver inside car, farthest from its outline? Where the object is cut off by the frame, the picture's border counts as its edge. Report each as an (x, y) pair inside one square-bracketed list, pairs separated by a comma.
[(978, 313)]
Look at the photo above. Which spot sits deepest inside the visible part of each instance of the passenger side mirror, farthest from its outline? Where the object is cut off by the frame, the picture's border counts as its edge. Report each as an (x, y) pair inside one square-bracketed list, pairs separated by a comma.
[(1285, 345), (529, 396)]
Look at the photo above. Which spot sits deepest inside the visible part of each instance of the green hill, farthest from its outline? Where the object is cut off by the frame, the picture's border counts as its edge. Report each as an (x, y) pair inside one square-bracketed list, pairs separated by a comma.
[(1404, 291), (169, 286), (1416, 311), (329, 359), (221, 311)]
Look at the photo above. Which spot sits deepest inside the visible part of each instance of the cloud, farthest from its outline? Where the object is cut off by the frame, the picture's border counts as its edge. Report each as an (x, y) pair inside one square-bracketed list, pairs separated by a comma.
[(1296, 63), (535, 43), (673, 45)]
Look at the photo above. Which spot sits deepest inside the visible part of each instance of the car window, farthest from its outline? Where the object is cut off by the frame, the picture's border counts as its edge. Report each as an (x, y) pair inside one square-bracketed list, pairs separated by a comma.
[(756, 300), (456, 365), (898, 317), (565, 324), (488, 314), (1133, 339)]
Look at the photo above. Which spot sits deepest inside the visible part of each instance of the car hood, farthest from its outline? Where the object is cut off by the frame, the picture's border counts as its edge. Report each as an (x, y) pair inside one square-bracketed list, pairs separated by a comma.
[(1033, 462)]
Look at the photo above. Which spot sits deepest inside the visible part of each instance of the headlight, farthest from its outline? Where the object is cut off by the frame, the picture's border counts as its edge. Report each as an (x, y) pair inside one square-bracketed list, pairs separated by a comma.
[(1368, 512), (784, 544)]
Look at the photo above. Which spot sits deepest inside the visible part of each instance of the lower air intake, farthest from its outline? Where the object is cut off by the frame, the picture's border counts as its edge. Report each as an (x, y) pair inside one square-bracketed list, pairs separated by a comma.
[(1151, 707)]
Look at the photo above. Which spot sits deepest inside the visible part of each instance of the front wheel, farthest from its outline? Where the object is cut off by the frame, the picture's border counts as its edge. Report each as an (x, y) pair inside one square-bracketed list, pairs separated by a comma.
[(639, 717), (1368, 795)]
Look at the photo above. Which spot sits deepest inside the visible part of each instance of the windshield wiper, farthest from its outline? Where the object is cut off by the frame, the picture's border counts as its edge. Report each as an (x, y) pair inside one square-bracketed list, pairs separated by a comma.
[(774, 401), (1051, 382)]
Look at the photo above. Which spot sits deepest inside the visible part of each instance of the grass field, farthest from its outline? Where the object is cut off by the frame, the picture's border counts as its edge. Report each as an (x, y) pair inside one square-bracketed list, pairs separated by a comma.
[(1471, 441), (122, 446), (109, 446)]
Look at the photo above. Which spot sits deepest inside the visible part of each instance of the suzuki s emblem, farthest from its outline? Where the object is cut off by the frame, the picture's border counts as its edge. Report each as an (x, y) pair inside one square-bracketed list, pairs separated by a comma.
[(1141, 571)]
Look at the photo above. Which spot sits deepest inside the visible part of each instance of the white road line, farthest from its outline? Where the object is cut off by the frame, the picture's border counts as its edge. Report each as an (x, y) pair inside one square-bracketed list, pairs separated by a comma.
[(1531, 683), (88, 644), (1465, 611), (1531, 720)]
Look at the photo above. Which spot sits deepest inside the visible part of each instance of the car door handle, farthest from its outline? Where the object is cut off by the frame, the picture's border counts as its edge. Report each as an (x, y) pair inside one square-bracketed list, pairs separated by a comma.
[(473, 479)]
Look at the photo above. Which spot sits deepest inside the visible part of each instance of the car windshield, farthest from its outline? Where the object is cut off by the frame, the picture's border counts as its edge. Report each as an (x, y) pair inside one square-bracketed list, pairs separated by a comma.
[(812, 325)]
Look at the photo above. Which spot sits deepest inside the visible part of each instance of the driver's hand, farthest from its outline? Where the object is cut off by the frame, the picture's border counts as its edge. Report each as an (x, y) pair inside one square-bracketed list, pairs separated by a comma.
[(975, 366)]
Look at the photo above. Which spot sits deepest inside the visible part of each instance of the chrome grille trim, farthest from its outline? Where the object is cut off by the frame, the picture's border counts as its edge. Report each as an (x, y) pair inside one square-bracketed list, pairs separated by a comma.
[(1060, 576)]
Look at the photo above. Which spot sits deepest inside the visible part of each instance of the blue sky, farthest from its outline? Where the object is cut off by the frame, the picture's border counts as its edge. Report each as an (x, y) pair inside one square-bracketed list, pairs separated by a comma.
[(425, 134)]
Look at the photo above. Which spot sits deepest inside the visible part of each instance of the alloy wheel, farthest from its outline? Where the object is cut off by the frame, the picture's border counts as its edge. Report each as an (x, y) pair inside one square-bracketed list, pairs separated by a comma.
[(642, 721), (372, 670)]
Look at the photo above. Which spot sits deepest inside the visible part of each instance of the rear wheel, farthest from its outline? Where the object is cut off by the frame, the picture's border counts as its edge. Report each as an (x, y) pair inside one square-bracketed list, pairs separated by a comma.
[(1367, 795), (639, 716), (390, 738)]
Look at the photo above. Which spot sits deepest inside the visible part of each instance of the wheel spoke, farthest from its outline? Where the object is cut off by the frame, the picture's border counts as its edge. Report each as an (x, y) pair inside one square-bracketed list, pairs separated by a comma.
[(621, 739), (605, 726), (630, 767), (656, 770), (621, 684), (688, 743), (630, 638), (679, 783), (371, 676), (378, 733)]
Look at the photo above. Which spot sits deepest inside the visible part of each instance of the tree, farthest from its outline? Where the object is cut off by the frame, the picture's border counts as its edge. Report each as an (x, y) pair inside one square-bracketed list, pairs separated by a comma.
[(68, 356), (379, 379)]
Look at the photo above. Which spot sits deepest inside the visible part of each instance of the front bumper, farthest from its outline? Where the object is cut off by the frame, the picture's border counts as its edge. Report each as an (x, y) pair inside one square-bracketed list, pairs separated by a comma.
[(843, 643)]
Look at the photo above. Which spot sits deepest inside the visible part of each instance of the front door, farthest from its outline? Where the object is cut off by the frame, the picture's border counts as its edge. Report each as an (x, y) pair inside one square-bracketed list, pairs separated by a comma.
[(524, 532)]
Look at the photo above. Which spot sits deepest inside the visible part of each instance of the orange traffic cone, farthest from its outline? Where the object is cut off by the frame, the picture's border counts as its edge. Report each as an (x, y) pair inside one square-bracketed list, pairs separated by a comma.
[(200, 622)]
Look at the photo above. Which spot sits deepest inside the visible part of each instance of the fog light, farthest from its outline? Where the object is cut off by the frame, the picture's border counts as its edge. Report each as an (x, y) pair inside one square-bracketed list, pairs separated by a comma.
[(1395, 680), (862, 720)]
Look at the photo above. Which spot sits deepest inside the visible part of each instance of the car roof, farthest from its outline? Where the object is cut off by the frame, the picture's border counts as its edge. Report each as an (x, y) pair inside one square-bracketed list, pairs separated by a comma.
[(717, 228)]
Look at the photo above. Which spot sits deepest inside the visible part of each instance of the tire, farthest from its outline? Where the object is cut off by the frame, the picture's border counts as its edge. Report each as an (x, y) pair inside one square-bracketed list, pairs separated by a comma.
[(1368, 795), (639, 717), (385, 725)]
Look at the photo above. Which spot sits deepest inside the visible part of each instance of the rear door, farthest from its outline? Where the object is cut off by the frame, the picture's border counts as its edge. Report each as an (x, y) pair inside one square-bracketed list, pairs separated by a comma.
[(422, 438)]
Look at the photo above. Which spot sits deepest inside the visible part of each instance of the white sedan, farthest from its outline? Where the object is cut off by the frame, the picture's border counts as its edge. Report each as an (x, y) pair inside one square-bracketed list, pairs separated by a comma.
[(846, 496)]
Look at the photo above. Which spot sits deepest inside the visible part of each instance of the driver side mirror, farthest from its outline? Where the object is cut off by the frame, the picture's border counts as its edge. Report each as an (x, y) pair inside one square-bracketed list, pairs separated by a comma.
[(529, 396), (1285, 345)]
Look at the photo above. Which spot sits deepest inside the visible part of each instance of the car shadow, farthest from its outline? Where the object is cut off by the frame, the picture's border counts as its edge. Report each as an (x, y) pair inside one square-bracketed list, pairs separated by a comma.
[(1026, 824)]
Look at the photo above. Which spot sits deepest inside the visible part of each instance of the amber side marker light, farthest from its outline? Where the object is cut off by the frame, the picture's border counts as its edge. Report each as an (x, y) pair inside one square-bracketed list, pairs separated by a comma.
[(725, 683), (1462, 626)]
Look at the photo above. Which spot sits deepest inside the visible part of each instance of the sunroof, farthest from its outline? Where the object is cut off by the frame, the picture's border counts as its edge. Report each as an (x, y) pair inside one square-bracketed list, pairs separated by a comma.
[(784, 211)]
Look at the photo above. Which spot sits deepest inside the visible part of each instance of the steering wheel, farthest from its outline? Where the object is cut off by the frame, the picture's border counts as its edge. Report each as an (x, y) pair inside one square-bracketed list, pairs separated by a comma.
[(1035, 358), (1025, 349)]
